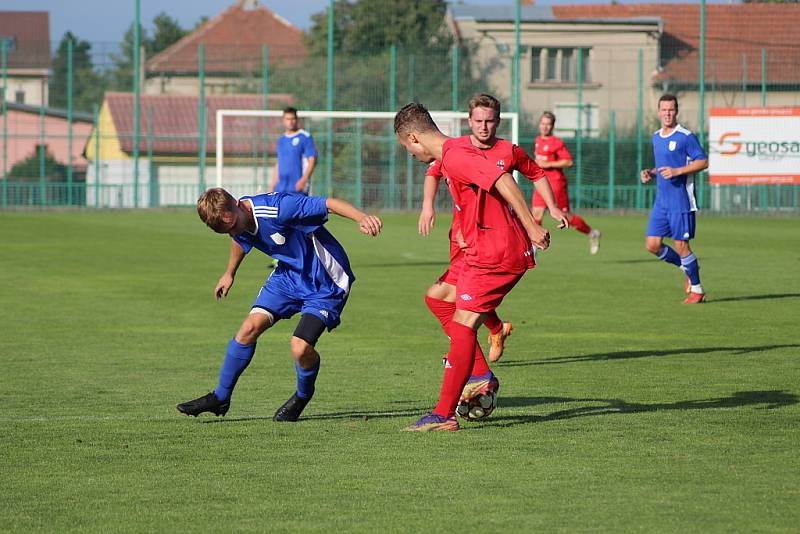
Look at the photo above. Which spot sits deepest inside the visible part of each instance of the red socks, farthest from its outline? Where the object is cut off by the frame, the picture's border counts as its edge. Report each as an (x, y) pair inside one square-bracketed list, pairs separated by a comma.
[(444, 311), (493, 323), (463, 341), (579, 224)]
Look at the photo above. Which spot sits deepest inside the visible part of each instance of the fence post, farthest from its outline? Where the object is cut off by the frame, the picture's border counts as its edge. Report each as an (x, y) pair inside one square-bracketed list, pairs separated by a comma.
[(639, 129), (151, 167), (763, 77), (137, 43), (329, 104), (265, 106), (701, 109), (579, 134), (359, 162), (612, 155), (412, 78), (4, 110), (744, 80), (454, 60), (70, 48), (516, 65), (41, 154), (201, 116), (393, 191), (96, 113)]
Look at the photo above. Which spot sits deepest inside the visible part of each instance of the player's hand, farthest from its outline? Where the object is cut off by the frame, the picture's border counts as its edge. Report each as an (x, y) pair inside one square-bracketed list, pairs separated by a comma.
[(223, 286), (300, 185), (460, 240), (542, 161), (646, 175), (370, 225), (427, 218), (540, 237), (557, 214), (668, 172)]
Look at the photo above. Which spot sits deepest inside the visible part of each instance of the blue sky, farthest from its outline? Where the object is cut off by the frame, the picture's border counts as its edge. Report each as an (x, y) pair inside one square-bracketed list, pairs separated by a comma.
[(101, 21)]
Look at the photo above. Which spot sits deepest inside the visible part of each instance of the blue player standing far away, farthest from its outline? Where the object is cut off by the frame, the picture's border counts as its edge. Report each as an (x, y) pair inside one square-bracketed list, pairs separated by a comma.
[(678, 156), (297, 157), (313, 278)]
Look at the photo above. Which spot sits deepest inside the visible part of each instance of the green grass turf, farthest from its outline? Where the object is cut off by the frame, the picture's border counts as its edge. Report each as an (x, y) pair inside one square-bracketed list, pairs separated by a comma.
[(621, 410)]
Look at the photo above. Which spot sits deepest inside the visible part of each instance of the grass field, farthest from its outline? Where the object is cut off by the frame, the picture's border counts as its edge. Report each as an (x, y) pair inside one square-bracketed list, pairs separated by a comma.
[(621, 410)]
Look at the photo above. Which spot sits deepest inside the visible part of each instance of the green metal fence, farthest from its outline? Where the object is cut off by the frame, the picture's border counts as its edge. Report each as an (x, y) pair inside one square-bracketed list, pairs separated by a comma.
[(603, 93)]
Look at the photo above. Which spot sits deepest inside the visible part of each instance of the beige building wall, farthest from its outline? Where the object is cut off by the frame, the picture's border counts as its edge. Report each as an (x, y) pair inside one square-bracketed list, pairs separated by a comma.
[(612, 77), (31, 86), (190, 86)]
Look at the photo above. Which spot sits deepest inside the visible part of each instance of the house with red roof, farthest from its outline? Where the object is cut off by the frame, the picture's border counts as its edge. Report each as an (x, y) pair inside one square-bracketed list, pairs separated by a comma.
[(234, 43), (26, 35), (170, 145), (745, 44)]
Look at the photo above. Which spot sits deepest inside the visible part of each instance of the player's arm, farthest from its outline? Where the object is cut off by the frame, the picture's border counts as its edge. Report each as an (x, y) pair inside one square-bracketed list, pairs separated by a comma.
[(225, 282), (427, 216), (546, 192), (509, 190), (690, 168), (532, 171), (557, 164), (368, 224), (301, 183)]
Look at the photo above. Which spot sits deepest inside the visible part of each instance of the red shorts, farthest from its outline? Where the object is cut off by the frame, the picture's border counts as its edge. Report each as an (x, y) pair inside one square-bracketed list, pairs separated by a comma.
[(482, 290), (560, 195)]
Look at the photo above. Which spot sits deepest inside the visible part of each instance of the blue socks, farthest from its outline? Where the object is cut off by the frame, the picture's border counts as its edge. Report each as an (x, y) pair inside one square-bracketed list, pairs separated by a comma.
[(691, 267), (237, 358), (669, 255), (306, 378)]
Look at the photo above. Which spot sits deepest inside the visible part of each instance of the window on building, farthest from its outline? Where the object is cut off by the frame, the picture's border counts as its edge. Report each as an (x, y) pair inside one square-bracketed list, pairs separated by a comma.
[(19, 97), (10, 41), (559, 64)]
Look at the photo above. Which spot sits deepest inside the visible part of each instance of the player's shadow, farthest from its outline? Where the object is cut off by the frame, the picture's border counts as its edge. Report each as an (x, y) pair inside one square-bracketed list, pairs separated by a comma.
[(768, 400), (363, 415), (774, 296), (629, 354)]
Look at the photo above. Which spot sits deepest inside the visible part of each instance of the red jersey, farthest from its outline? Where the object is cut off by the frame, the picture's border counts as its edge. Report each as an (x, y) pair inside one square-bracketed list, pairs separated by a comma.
[(553, 149), (494, 236), (506, 155)]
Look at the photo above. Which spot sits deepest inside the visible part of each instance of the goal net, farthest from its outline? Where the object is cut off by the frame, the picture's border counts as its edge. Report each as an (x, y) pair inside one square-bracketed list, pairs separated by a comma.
[(359, 159)]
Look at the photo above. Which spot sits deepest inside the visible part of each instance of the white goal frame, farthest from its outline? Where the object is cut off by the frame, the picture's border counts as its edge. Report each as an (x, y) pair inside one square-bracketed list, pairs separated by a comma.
[(435, 114)]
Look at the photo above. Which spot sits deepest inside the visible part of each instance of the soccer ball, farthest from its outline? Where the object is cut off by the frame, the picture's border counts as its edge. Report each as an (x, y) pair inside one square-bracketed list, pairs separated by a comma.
[(478, 407)]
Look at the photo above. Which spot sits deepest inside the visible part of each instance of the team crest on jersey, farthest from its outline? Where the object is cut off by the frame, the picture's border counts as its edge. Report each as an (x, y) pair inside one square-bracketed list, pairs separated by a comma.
[(501, 164), (466, 296), (278, 238), (672, 145), (295, 141)]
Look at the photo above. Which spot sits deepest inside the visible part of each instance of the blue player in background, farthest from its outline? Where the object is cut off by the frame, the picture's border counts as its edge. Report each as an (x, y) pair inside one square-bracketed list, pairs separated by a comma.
[(313, 278), (678, 157), (297, 157)]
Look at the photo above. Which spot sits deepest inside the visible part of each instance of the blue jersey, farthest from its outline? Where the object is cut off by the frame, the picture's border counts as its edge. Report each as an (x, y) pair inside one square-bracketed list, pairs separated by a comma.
[(289, 227), (293, 153), (676, 150)]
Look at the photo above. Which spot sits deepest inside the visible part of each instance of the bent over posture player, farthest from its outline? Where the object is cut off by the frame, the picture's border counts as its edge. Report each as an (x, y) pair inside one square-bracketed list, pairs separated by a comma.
[(498, 231), (483, 120), (313, 277)]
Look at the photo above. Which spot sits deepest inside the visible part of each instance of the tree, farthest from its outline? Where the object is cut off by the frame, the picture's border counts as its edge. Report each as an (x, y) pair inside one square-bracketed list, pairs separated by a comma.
[(166, 31), (87, 84), (371, 25), (27, 170)]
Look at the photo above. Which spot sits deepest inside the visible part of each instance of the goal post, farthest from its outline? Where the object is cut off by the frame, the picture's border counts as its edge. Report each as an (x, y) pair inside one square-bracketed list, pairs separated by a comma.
[(344, 127)]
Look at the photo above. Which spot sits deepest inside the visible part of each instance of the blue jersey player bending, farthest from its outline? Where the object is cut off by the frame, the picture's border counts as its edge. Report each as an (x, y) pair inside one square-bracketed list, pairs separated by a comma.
[(313, 278), (678, 157)]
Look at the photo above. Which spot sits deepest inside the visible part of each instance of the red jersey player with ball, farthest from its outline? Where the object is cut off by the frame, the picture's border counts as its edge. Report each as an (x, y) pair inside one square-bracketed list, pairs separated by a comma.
[(499, 233)]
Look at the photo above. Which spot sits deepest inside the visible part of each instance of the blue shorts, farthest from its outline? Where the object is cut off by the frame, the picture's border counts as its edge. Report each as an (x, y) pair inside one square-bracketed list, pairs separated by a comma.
[(282, 301), (678, 226)]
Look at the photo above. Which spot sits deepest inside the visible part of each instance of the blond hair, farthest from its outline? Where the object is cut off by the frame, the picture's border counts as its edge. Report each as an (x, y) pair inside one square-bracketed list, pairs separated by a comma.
[(212, 205)]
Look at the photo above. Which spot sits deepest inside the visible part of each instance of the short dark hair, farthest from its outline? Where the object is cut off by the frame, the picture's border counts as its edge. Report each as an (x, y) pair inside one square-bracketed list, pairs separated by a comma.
[(289, 110), (483, 100), (666, 97), (413, 117), (550, 115)]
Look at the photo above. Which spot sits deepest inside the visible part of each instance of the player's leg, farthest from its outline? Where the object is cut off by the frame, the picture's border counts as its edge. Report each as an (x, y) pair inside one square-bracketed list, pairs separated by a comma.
[(683, 226), (657, 228), (307, 363), (238, 354)]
